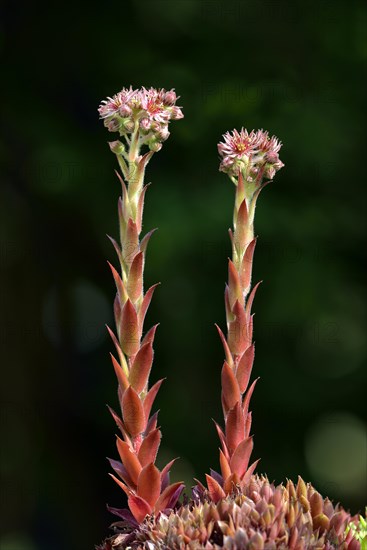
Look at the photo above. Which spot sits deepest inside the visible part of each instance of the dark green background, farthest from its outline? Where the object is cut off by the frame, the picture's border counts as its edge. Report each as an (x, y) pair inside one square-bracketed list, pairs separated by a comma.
[(293, 68)]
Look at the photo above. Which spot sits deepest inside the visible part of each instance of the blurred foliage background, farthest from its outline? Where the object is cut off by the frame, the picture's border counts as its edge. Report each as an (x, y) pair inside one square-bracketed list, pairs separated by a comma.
[(294, 69)]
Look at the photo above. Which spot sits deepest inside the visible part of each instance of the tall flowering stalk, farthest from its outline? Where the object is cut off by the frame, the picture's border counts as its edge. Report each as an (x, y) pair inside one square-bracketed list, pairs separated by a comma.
[(250, 160), (141, 117)]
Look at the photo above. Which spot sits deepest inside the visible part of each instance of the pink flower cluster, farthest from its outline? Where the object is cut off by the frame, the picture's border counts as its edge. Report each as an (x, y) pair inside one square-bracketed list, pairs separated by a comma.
[(148, 110), (254, 154)]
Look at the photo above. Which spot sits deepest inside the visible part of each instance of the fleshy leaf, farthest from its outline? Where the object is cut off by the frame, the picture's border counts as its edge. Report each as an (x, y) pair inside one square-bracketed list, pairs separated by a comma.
[(227, 351), (145, 303), (231, 390), (166, 496), (140, 369), (235, 427), (215, 490), (241, 456), (149, 448), (234, 284), (139, 507), (149, 484), (246, 265), (129, 460), (133, 412), (135, 279), (149, 398), (120, 484), (129, 330), (244, 368), (121, 376)]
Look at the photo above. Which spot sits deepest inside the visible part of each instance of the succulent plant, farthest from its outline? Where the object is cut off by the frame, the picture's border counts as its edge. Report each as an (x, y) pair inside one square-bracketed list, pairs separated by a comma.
[(237, 509)]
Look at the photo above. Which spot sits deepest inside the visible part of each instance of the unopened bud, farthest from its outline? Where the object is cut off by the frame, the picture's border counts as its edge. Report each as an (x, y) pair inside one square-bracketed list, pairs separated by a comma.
[(125, 111), (176, 113), (129, 125), (116, 147), (170, 98), (155, 146), (145, 124)]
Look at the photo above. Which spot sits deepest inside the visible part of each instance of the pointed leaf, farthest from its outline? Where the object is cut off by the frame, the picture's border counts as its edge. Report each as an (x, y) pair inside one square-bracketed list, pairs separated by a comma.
[(130, 246), (120, 484), (145, 240), (117, 345), (140, 369), (119, 424), (231, 390), (117, 310), (247, 477), (246, 401), (139, 507), (149, 337), (121, 471), (121, 376), (237, 331), (244, 368), (224, 465), (248, 421), (145, 303), (234, 284), (215, 490), (165, 474), (241, 456), (119, 284), (166, 496), (135, 279), (242, 225), (149, 448), (149, 484), (149, 398), (251, 299), (227, 351), (246, 265), (133, 412), (235, 427), (152, 424), (117, 248), (222, 440), (230, 483), (129, 460), (129, 330), (140, 208)]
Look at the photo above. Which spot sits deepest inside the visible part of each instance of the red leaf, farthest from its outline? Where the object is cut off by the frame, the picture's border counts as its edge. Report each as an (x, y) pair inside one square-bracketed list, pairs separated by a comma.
[(165, 497), (150, 396), (133, 412), (119, 284), (149, 484), (222, 440), (152, 424), (117, 248), (120, 484), (131, 242), (135, 279), (248, 421), (139, 508), (139, 213), (140, 369), (241, 456), (234, 284), (246, 478), (246, 265), (166, 470), (119, 424), (250, 299), (117, 345), (235, 427), (121, 376), (129, 330), (231, 390), (145, 240), (224, 465), (149, 337), (230, 483), (227, 351), (129, 460), (246, 401), (145, 304), (149, 448), (237, 331), (241, 226), (244, 368), (215, 490)]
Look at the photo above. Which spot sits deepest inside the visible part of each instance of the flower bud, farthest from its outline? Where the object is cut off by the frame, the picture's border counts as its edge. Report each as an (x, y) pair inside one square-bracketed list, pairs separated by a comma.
[(155, 146), (170, 98), (163, 134), (145, 124), (112, 125), (176, 113), (124, 111), (129, 125), (117, 147)]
